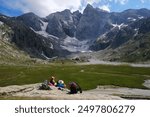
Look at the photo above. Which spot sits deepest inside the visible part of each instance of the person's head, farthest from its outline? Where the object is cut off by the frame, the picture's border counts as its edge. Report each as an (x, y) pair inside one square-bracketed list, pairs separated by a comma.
[(61, 82), (52, 77)]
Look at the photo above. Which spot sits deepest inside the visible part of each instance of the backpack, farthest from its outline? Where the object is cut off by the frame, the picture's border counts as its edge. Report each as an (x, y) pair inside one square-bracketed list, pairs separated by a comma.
[(45, 86), (74, 88)]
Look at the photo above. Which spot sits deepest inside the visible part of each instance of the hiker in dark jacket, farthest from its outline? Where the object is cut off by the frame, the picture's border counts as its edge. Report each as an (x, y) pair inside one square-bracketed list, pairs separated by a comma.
[(52, 81), (74, 88)]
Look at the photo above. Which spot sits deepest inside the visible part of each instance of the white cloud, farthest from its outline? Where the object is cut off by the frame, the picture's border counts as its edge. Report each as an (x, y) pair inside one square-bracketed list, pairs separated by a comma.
[(43, 7), (105, 7), (121, 1), (92, 1), (142, 1)]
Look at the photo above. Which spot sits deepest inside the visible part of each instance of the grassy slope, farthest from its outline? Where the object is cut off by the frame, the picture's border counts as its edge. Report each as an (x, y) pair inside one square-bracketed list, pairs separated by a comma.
[(137, 49), (92, 76), (9, 53)]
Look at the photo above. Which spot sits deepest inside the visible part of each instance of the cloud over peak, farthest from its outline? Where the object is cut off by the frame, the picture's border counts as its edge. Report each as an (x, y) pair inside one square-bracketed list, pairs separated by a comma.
[(121, 1), (105, 7), (42, 7), (45, 7)]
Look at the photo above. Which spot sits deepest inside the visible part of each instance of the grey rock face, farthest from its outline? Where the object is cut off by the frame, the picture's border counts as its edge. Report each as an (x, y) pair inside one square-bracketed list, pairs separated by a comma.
[(55, 28), (76, 17), (62, 24), (117, 37), (126, 25), (31, 20), (92, 23), (34, 44), (129, 16), (95, 22)]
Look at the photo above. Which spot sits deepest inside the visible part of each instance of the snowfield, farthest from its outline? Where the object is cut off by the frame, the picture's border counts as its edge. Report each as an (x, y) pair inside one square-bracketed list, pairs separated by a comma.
[(74, 45)]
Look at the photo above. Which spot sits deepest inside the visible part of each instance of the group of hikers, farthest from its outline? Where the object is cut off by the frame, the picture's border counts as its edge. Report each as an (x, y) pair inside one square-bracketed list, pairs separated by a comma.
[(72, 86)]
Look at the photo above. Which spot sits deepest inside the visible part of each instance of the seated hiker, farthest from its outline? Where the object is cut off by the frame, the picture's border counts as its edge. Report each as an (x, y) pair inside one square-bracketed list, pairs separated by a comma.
[(74, 88), (52, 81), (60, 84)]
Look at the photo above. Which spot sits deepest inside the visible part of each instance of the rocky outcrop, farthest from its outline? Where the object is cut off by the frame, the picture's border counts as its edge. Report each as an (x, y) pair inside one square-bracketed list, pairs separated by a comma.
[(33, 91), (100, 93)]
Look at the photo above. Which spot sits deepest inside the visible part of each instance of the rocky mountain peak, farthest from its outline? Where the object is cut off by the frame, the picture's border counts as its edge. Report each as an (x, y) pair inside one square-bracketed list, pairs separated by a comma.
[(62, 24), (89, 7), (76, 12), (66, 12), (31, 20), (29, 14)]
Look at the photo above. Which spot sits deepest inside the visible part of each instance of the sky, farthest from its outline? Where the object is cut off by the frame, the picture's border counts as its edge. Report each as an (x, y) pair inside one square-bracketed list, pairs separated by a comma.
[(45, 7)]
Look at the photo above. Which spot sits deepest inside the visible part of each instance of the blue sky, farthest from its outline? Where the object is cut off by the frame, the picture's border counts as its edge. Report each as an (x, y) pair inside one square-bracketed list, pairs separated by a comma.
[(45, 7)]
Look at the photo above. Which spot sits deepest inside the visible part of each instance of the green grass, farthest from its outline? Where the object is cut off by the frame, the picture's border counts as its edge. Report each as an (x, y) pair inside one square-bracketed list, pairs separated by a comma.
[(88, 76)]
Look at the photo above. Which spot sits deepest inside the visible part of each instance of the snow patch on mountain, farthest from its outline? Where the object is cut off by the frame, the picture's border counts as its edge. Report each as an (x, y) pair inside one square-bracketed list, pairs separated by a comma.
[(136, 32), (44, 55), (1, 23), (119, 25), (102, 38), (52, 47), (44, 25), (43, 31), (131, 19), (140, 17), (72, 44)]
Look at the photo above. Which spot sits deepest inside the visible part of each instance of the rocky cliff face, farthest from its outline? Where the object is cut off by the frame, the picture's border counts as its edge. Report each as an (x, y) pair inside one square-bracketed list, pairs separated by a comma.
[(128, 24), (92, 23), (130, 44), (9, 52), (34, 44), (31, 20), (63, 24)]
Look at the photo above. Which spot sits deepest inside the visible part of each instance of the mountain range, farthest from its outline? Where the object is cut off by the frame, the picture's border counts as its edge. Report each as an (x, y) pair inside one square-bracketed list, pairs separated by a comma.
[(113, 36)]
